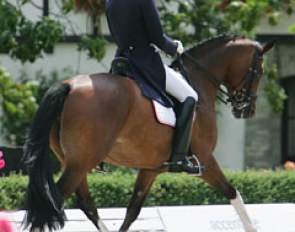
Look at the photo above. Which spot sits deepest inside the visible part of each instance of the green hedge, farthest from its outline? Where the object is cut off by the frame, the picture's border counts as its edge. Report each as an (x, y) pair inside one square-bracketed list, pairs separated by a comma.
[(115, 189)]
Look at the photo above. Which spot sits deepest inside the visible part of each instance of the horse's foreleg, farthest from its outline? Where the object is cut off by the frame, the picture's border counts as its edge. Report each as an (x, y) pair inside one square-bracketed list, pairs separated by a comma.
[(239, 206), (144, 181), (215, 177)]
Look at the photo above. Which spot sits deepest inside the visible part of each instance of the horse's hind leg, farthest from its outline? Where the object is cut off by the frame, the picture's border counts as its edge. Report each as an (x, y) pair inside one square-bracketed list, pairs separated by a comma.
[(144, 181), (214, 176), (86, 204), (74, 179)]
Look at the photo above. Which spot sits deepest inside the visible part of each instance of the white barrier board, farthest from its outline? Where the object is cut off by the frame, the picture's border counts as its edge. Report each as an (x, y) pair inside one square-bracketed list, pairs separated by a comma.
[(223, 218), (210, 218)]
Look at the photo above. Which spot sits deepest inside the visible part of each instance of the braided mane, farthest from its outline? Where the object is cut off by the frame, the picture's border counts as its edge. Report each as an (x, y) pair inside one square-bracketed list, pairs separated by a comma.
[(215, 41), (202, 47)]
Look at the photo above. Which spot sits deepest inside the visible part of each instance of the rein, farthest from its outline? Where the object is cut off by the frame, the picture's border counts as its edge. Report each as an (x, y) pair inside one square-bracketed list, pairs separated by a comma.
[(238, 98), (216, 81)]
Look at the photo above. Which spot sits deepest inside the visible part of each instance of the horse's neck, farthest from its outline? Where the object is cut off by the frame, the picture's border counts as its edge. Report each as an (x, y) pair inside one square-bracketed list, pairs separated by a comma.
[(211, 66), (204, 86)]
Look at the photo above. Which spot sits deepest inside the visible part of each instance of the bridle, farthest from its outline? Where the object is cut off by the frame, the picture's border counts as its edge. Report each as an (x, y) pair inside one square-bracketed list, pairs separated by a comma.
[(239, 99)]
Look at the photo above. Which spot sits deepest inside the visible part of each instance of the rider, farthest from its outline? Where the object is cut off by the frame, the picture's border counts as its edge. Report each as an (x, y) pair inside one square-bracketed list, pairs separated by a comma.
[(137, 31)]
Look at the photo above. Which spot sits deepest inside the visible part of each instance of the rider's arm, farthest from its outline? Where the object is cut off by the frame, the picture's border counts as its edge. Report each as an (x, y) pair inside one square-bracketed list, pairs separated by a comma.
[(154, 28)]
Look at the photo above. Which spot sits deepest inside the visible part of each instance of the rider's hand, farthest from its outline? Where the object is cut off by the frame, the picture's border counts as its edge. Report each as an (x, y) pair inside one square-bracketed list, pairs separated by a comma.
[(180, 48)]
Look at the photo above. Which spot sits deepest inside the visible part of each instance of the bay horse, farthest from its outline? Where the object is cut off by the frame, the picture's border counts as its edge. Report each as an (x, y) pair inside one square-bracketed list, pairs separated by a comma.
[(104, 117)]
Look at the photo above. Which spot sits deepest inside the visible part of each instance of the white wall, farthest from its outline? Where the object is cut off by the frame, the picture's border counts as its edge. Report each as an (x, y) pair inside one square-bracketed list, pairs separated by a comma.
[(64, 56), (231, 139), (282, 28)]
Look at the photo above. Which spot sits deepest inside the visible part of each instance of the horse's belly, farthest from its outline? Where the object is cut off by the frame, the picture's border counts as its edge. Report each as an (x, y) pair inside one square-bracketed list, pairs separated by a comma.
[(140, 152)]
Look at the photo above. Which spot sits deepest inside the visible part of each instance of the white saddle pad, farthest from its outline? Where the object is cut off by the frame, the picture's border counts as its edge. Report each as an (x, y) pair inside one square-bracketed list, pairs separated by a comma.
[(164, 115)]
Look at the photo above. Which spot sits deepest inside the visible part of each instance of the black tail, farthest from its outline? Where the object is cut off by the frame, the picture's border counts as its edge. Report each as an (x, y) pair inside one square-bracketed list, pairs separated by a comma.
[(44, 203)]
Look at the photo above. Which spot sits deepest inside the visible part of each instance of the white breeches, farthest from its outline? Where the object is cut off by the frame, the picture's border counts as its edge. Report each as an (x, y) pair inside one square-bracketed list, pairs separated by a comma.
[(177, 86)]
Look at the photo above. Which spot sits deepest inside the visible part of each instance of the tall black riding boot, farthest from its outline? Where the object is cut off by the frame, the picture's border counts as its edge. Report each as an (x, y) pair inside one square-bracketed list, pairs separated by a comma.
[(182, 138)]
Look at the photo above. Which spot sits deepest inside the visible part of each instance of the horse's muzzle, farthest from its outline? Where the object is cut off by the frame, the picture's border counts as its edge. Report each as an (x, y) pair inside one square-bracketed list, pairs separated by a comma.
[(245, 112)]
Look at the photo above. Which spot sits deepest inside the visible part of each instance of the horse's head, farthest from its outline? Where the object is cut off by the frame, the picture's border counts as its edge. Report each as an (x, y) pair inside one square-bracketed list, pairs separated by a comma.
[(243, 77), (231, 61)]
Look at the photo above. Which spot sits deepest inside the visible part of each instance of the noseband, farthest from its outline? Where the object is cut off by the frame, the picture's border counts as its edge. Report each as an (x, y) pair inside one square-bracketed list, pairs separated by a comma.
[(238, 98), (243, 97)]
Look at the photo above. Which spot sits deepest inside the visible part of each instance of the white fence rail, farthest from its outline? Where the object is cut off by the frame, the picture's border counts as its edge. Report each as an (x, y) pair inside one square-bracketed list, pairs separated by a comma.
[(213, 218)]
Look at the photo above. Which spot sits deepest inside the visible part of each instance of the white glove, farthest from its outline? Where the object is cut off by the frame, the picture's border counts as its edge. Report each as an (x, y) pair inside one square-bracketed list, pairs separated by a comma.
[(180, 48)]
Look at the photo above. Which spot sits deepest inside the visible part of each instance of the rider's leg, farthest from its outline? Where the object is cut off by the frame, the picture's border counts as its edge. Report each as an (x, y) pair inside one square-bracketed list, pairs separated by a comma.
[(182, 91), (177, 86)]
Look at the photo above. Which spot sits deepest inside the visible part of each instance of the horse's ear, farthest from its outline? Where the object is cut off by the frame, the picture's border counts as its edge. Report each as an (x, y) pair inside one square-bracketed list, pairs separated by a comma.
[(269, 45)]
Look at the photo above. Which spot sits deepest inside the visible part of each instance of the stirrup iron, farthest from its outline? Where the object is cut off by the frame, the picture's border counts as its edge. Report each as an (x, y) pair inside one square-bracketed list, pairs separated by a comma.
[(185, 165), (195, 158)]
